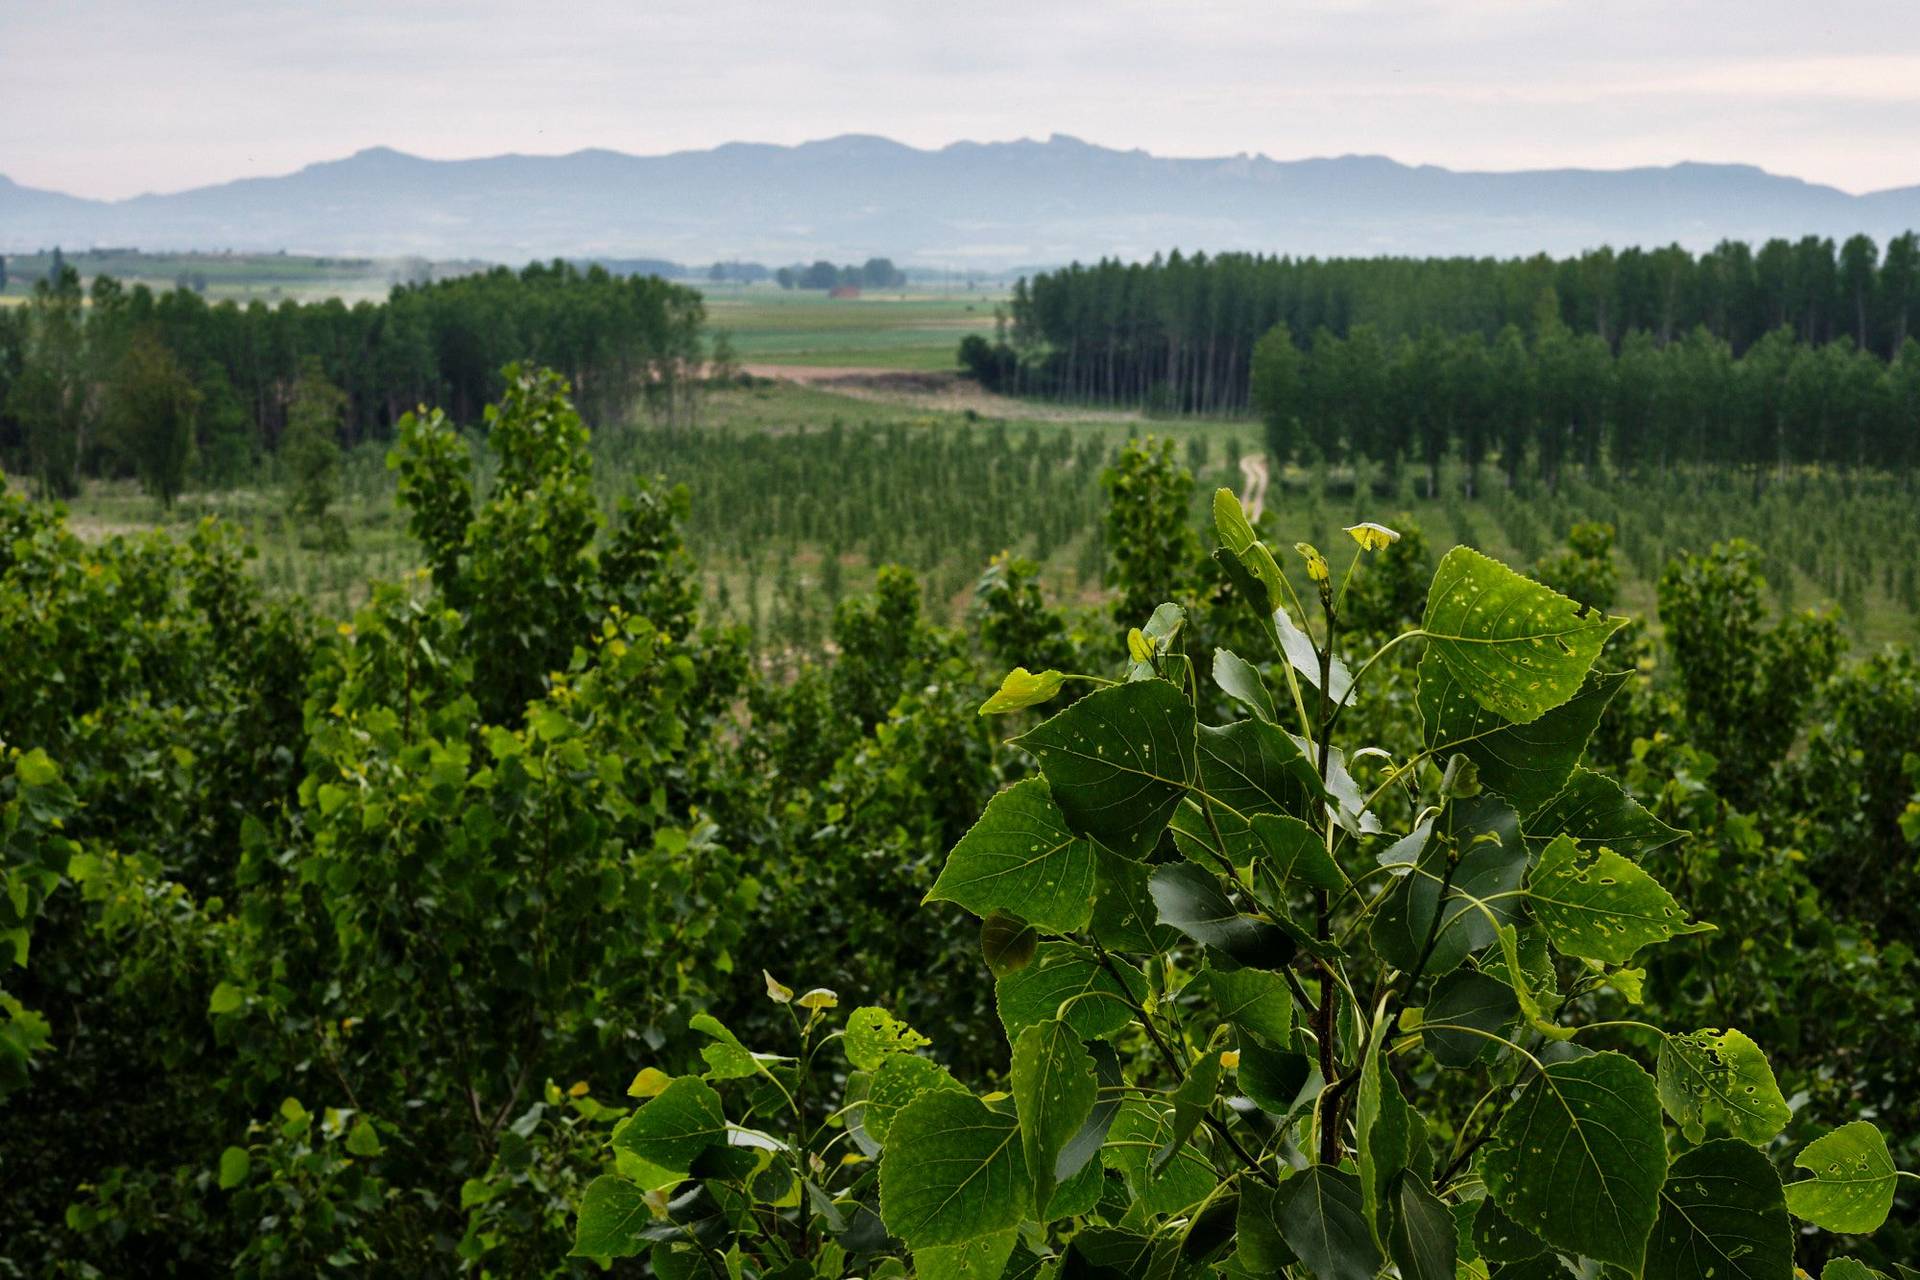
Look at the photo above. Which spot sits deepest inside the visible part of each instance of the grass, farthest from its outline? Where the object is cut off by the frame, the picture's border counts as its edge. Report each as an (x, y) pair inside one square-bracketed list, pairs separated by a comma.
[(910, 331), (241, 277)]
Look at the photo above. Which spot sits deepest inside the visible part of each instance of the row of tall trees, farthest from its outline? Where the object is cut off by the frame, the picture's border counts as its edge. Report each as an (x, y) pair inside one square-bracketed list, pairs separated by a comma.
[(75, 362), (1178, 332), (1564, 399), (874, 273)]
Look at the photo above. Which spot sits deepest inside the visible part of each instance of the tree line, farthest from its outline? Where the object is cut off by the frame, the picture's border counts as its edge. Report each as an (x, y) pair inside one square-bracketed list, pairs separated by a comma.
[(1564, 399), (110, 380), (1178, 332), (874, 273)]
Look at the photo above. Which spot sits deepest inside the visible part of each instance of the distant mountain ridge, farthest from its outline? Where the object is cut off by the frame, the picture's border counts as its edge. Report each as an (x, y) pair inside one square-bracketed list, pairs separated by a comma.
[(990, 204)]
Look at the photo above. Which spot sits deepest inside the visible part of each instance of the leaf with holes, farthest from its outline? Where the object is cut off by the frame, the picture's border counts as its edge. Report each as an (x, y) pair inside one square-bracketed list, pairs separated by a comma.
[(1851, 1190), (1118, 762), (1601, 906), (1517, 648), (1720, 1080), (1527, 763), (1020, 858), (1595, 811), (1579, 1159)]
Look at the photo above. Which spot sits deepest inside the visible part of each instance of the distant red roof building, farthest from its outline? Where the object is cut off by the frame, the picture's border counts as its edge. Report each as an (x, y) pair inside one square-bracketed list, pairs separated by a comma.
[(844, 291)]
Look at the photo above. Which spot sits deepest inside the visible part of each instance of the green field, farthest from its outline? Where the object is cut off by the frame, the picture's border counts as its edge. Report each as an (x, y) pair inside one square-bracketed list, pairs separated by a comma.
[(242, 277), (907, 331)]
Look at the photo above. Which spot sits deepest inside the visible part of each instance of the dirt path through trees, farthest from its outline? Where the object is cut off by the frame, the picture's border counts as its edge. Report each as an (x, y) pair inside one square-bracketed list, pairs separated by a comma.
[(1253, 483)]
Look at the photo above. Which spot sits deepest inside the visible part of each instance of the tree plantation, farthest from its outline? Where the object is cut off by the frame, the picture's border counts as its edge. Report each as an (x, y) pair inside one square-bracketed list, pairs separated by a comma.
[(1307, 903)]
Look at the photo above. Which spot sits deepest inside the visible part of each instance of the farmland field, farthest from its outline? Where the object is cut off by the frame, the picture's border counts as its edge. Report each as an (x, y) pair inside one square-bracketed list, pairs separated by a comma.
[(879, 330)]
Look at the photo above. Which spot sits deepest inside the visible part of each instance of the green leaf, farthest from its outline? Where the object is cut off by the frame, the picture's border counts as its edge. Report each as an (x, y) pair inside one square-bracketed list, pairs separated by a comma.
[(1298, 647), (1240, 680), (873, 1035), (901, 1079), (1189, 899), (1140, 1129), (1851, 1269), (982, 1259), (1191, 1100), (1007, 944), (1118, 761), (1722, 1217), (1720, 1080), (1254, 1000), (1320, 1217), (1851, 1190), (1499, 1238), (1601, 906), (1527, 764), (1517, 648), (236, 1165), (1594, 810), (1382, 1129), (613, 1217), (673, 1128), (226, 998), (1423, 1242), (1083, 1146), (1053, 1088), (1124, 917), (1262, 1249), (726, 1057), (1248, 767), (1296, 853), (1579, 1158), (363, 1139), (953, 1171), (1467, 999), (1020, 858), (1274, 1078), (1021, 689), (1069, 983), (1482, 893)]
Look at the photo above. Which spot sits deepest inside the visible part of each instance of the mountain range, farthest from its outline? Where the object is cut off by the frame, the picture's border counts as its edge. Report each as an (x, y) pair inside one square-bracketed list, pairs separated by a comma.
[(985, 205)]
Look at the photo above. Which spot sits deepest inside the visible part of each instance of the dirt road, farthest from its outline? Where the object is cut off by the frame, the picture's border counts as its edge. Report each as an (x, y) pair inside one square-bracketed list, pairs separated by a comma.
[(1253, 482)]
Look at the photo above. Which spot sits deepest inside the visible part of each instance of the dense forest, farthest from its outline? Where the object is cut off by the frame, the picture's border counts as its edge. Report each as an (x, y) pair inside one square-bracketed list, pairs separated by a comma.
[(1179, 332), (522, 923), (80, 371)]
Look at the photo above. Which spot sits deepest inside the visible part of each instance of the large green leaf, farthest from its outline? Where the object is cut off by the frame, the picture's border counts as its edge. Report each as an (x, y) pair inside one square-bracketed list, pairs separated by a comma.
[(1124, 917), (1482, 894), (1720, 1080), (1594, 810), (1516, 647), (613, 1215), (1139, 1130), (1527, 763), (1320, 1217), (1296, 854), (1851, 1190), (675, 1126), (1579, 1158), (1423, 1242), (1254, 1000), (873, 1035), (1275, 1079), (1851, 1269), (1190, 899), (1471, 1000), (1600, 906), (1070, 983), (1020, 858), (901, 1078), (1248, 767), (1262, 1248), (1083, 1146), (984, 1258), (1118, 761), (1722, 1217), (1053, 1093), (953, 1172)]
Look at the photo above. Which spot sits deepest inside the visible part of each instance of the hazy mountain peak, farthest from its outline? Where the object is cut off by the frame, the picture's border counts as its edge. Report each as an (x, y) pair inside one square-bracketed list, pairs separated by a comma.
[(968, 203)]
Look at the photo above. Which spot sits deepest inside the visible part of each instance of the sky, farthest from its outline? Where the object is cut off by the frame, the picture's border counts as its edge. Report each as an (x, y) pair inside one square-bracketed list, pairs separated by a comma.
[(110, 98)]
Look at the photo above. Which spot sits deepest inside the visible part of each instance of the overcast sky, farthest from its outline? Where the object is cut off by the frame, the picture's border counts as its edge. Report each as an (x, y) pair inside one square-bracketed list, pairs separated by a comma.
[(115, 97)]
